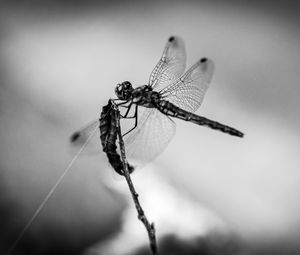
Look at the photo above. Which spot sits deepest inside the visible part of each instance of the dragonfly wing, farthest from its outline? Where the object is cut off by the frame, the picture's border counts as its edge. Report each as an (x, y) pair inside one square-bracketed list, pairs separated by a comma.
[(188, 91), (170, 66), (79, 138), (151, 136)]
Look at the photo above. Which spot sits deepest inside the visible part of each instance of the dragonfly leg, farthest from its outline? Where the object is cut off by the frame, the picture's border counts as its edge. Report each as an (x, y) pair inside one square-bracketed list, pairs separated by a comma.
[(123, 104), (136, 120), (128, 109), (122, 101)]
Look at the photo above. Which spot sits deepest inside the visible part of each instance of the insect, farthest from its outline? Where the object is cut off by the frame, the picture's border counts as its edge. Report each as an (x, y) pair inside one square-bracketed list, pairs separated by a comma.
[(170, 93)]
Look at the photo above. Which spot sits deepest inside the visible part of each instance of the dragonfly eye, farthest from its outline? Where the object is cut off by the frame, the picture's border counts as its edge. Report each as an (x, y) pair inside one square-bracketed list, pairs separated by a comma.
[(123, 91)]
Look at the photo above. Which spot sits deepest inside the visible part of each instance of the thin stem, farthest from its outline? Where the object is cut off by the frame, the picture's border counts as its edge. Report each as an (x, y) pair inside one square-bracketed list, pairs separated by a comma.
[(141, 215)]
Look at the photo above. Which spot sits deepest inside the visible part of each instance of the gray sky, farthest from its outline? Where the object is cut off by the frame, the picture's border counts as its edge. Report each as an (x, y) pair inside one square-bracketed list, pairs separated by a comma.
[(59, 64)]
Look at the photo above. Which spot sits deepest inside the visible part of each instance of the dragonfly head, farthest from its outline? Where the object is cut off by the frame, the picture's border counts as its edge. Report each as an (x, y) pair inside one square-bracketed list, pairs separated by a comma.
[(124, 90)]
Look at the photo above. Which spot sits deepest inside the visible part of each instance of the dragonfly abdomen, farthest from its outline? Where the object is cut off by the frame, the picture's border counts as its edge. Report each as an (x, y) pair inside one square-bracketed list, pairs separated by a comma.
[(174, 111), (215, 125)]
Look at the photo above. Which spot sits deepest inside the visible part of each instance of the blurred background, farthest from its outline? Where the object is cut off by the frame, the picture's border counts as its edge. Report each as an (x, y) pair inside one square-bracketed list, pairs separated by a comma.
[(207, 192)]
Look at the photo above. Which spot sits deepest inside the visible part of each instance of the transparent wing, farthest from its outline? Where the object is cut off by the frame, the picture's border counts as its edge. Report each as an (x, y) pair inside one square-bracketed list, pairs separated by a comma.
[(79, 138), (151, 136), (170, 66), (188, 91)]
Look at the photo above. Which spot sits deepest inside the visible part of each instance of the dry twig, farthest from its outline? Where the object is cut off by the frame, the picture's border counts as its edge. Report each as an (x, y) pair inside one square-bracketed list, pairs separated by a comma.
[(141, 215)]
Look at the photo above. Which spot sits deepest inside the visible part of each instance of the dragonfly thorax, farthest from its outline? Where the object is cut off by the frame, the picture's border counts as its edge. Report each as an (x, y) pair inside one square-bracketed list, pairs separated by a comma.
[(145, 96), (124, 90)]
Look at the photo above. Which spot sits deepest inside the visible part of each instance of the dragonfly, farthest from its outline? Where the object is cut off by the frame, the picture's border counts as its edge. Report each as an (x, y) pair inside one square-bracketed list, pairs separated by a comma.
[(170, 93)]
